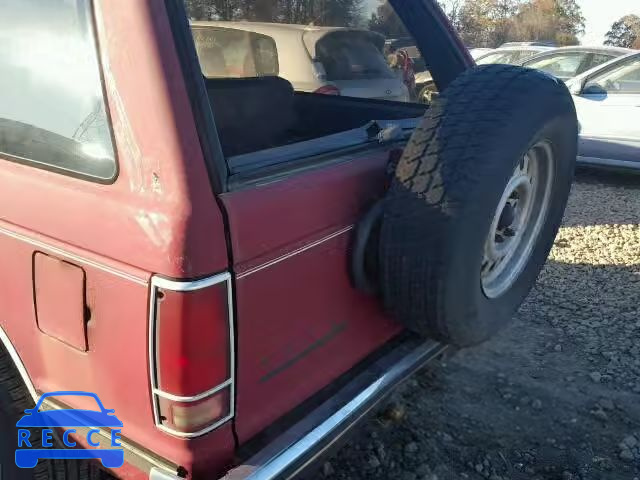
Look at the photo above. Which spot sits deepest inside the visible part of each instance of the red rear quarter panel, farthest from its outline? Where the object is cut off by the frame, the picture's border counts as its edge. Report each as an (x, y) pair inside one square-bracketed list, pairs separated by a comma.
[(300, 323), (159, 217)]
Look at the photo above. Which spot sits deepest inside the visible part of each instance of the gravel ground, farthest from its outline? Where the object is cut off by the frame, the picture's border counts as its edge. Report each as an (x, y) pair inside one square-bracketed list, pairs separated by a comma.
[(555, 396)]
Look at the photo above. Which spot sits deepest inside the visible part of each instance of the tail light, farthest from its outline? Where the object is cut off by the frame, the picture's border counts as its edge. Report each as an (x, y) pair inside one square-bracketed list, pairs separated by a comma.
[(191, 354), (328, 90)]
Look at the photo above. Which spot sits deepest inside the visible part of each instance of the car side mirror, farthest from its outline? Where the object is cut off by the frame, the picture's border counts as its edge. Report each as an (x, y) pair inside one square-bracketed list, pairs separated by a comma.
[(593, 89)]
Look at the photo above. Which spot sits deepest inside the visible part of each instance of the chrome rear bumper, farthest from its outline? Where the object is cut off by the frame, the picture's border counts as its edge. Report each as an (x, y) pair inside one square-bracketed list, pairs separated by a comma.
[(301, 445)]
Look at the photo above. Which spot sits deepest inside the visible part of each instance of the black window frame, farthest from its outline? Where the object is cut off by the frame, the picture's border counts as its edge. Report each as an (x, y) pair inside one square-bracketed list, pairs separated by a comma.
[(50, 167)]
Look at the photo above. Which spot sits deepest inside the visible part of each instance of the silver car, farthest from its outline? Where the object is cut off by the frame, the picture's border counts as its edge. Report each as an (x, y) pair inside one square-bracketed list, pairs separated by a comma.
[(607, 100), (568, 62), (513, 53), (329, 60)]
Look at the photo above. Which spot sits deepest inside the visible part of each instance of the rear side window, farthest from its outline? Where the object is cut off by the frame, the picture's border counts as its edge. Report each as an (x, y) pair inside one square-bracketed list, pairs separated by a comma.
[(52, 108), (232, 53)]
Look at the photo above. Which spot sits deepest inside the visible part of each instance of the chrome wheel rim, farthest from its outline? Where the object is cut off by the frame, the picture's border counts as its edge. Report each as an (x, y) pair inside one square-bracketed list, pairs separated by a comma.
[(518, 220)]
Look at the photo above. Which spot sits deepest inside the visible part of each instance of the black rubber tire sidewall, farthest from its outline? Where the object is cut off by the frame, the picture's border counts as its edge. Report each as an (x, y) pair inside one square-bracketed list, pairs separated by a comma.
[(12, 399), (474, 317), (431, 249)]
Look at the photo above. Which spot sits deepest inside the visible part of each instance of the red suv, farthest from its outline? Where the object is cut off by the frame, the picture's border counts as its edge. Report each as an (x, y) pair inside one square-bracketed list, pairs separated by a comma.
[(238, 269)]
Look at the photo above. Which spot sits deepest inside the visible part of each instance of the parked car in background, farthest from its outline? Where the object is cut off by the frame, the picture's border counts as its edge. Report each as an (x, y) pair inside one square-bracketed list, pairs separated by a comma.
[(329, 60), (607, 100), (513, 54), (536, 43), (478, 52), (567, 62)]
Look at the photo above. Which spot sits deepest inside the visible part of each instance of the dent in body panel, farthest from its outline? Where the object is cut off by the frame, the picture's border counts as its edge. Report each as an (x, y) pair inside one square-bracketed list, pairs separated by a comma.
[(156, 226)]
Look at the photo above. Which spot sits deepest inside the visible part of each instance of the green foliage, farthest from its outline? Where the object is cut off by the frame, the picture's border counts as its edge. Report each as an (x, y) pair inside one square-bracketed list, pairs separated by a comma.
[(625, 32), (482, 23), (385, 20), (489, 23)]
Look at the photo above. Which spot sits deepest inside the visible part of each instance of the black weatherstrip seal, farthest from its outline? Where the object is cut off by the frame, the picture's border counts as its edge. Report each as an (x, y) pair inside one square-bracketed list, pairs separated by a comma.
[(194, 81)]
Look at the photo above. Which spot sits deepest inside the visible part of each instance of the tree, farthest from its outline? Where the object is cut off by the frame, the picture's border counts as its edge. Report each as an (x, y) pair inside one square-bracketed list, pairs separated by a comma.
[(625, 32), (385, 21), (560, 21), (453, 10), (485, 23), (317, 12)]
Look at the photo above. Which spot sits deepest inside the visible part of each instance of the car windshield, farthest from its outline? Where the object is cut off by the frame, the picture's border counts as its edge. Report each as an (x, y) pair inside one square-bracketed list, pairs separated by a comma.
[(564, 66), (506, 57)]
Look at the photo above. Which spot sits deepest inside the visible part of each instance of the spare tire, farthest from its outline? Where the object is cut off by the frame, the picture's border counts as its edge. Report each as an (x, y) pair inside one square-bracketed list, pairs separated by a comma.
[(476, 201)]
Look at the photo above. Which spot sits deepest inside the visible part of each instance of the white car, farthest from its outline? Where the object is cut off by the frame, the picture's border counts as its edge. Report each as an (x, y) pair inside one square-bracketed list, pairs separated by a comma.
[(478, 52), (329, 60), (607, 100), (568, 62), (513, 54)]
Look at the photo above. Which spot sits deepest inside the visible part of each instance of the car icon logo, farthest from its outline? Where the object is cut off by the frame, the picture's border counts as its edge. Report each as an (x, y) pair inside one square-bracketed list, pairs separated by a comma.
[(389, 92), (28, 453)]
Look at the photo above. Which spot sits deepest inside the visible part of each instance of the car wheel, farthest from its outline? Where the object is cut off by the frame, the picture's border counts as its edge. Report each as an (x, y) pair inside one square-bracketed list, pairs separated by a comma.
[(427, 94), (476, 201), (14, 400)]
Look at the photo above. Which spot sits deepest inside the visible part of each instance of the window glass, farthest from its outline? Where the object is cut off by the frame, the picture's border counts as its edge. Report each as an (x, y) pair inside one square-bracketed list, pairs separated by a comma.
[(235, 52), (562, 65), (622, 80), (599, 59), (508, 57), (52, 110), (354, 48), (282, 74)]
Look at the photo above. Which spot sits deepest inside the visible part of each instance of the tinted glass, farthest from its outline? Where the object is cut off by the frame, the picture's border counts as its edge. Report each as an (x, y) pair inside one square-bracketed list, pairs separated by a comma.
[(52, 109), (561, 65), (235, 53)]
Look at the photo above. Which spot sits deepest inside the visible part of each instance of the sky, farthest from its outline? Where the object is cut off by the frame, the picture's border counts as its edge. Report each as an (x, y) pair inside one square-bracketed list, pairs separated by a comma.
[(599, 16)]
